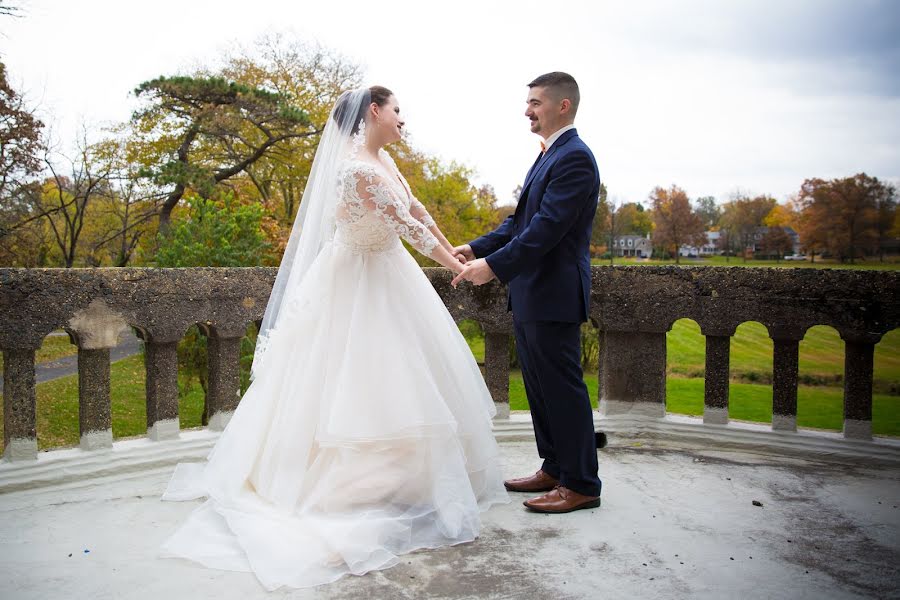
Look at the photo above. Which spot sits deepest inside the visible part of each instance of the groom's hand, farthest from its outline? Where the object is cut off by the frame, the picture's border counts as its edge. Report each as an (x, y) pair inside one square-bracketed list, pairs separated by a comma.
[(464, 253), (478, 272)]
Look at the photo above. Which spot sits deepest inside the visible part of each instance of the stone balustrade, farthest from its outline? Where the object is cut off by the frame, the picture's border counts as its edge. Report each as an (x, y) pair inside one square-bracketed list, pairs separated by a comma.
[(632, 307)]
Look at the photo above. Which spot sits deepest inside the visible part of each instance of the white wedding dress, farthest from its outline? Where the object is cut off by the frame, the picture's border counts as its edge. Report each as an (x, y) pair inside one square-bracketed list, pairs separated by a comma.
[(366, 432)]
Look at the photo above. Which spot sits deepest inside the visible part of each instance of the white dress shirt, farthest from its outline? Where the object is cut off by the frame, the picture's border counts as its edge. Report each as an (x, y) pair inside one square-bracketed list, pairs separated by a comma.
[(549, 141)]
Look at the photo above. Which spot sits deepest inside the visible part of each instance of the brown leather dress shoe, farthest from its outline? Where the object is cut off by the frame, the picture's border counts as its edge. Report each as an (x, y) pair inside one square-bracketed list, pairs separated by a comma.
[(539, 482), (562, 500)]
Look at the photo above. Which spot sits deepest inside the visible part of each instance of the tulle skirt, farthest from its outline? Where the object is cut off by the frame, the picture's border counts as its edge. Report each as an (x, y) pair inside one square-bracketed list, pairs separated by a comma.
[(366, 434)]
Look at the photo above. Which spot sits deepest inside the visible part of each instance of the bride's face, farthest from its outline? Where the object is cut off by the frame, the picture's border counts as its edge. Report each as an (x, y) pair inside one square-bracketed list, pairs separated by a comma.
[(388, 121)]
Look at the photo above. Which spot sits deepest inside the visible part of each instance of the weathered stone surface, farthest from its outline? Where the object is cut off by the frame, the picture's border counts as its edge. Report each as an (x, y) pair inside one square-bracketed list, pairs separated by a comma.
[(224, 391), (96, 326), (715, 391), (496, 370), (161, 361), (638, 298), (165, 302), (162, 303), (94, 407), (858, 365), (785, 363), (634, 372), (633, 307), (19, 405)]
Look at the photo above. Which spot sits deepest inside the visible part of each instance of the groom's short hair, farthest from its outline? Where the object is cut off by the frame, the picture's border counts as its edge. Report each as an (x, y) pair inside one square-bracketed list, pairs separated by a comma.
[(560, 85)]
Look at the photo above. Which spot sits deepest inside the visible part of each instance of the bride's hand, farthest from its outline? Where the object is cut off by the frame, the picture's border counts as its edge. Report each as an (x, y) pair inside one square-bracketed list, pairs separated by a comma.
[(464, 253)]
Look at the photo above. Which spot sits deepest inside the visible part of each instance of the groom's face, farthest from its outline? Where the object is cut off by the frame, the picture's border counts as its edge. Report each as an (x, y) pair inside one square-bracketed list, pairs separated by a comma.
[(543, 110)]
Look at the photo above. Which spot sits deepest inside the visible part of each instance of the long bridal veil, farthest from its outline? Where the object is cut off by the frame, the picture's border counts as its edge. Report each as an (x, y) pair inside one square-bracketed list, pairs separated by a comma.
[(314, 224)]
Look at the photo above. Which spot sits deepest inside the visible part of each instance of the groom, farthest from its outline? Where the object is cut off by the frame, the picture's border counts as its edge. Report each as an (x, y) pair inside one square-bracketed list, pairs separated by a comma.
[(542, 252)]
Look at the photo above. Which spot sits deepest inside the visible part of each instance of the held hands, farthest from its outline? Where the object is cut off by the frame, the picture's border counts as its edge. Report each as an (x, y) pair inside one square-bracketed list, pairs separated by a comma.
[(478, 271), (464, 253)]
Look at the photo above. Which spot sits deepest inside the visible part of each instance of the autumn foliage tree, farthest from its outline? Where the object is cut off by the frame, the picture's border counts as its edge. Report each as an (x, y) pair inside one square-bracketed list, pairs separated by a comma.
[(740, 220), (462, 210), (776, 243), (675, 224), (311, 77), (845, 217), (201, 131), (20, 160)]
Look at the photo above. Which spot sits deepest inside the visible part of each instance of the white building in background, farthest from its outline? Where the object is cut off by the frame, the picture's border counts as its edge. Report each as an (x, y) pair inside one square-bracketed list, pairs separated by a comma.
[(708, 249), (638, 246)]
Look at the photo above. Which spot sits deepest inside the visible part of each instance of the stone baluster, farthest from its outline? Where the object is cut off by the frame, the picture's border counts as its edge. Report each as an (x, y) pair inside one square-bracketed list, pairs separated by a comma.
[(717, 375), (161, 362), (496, 369), (633, 373), (223, 351), (19, 404), (859, 351), (785, 365), (95, 330)]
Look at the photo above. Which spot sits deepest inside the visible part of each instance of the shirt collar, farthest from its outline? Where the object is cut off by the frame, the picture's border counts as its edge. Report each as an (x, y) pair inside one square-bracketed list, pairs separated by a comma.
[(550, 140)]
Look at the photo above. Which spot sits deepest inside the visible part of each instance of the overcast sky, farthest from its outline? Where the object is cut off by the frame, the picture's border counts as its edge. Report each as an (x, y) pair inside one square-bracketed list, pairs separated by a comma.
[(713, 96)]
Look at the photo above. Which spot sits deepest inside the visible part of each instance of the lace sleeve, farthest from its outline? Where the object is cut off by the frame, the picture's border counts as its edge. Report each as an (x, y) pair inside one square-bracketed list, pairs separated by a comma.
[(416, 208), (375, 195)]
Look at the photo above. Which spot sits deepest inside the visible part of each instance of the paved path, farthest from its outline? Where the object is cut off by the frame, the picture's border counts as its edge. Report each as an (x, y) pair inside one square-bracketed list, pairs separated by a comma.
[(129, 345)]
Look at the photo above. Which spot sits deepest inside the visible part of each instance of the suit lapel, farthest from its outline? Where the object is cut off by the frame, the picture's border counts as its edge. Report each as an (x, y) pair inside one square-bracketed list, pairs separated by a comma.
[(531, 171), (545, 158)]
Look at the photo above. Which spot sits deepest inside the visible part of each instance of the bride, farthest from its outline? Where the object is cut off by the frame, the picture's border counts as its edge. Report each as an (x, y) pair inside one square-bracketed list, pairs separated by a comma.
[(366, 430)]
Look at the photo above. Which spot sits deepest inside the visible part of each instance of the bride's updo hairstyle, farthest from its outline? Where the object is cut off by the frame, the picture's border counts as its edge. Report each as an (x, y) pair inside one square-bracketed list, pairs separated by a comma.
[(349, 117)]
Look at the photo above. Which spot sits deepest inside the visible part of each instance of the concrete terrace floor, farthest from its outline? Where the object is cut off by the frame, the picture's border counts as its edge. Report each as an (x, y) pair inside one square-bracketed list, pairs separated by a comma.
[(677, 521)]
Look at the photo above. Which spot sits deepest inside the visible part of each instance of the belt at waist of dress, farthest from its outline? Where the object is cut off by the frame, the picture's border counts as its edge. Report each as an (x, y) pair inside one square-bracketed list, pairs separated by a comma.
[(391, 244)]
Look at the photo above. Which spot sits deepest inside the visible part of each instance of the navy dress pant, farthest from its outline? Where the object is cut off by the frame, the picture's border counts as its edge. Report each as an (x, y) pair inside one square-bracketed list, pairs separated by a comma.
[(550, 357)]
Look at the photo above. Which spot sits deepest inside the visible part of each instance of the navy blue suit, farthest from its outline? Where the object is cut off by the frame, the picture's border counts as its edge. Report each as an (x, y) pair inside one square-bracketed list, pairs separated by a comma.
[(543, 253)]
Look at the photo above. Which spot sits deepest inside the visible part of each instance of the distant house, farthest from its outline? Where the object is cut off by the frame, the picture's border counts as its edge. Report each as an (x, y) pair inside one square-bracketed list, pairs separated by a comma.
[(633, 245), (708, 249)]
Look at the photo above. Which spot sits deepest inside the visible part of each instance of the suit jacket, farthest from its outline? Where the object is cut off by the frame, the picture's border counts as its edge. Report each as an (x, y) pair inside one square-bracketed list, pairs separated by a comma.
[(543, 250)]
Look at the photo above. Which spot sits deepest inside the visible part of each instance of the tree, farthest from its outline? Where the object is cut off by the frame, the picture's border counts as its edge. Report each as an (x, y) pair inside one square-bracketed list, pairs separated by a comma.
[(886, 205), (842, 216), (708, 211), (674, 223), (21, 147), (309, 76), (781, 215), (20, 139), (8, 10), (215, 233), (65, 198), (742, 217), (614, 219), (462, 210), (200, 131), (603, 224), (776, 243), (635, 220), (130, 207)]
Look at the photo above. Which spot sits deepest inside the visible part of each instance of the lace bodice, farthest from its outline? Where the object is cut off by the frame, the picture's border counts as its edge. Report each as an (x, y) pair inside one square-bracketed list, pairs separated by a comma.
[(376, 206)]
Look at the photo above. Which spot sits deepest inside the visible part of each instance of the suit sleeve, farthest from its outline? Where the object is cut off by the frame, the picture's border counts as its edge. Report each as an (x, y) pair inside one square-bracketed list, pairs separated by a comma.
[(493, 241), (565, 196)]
